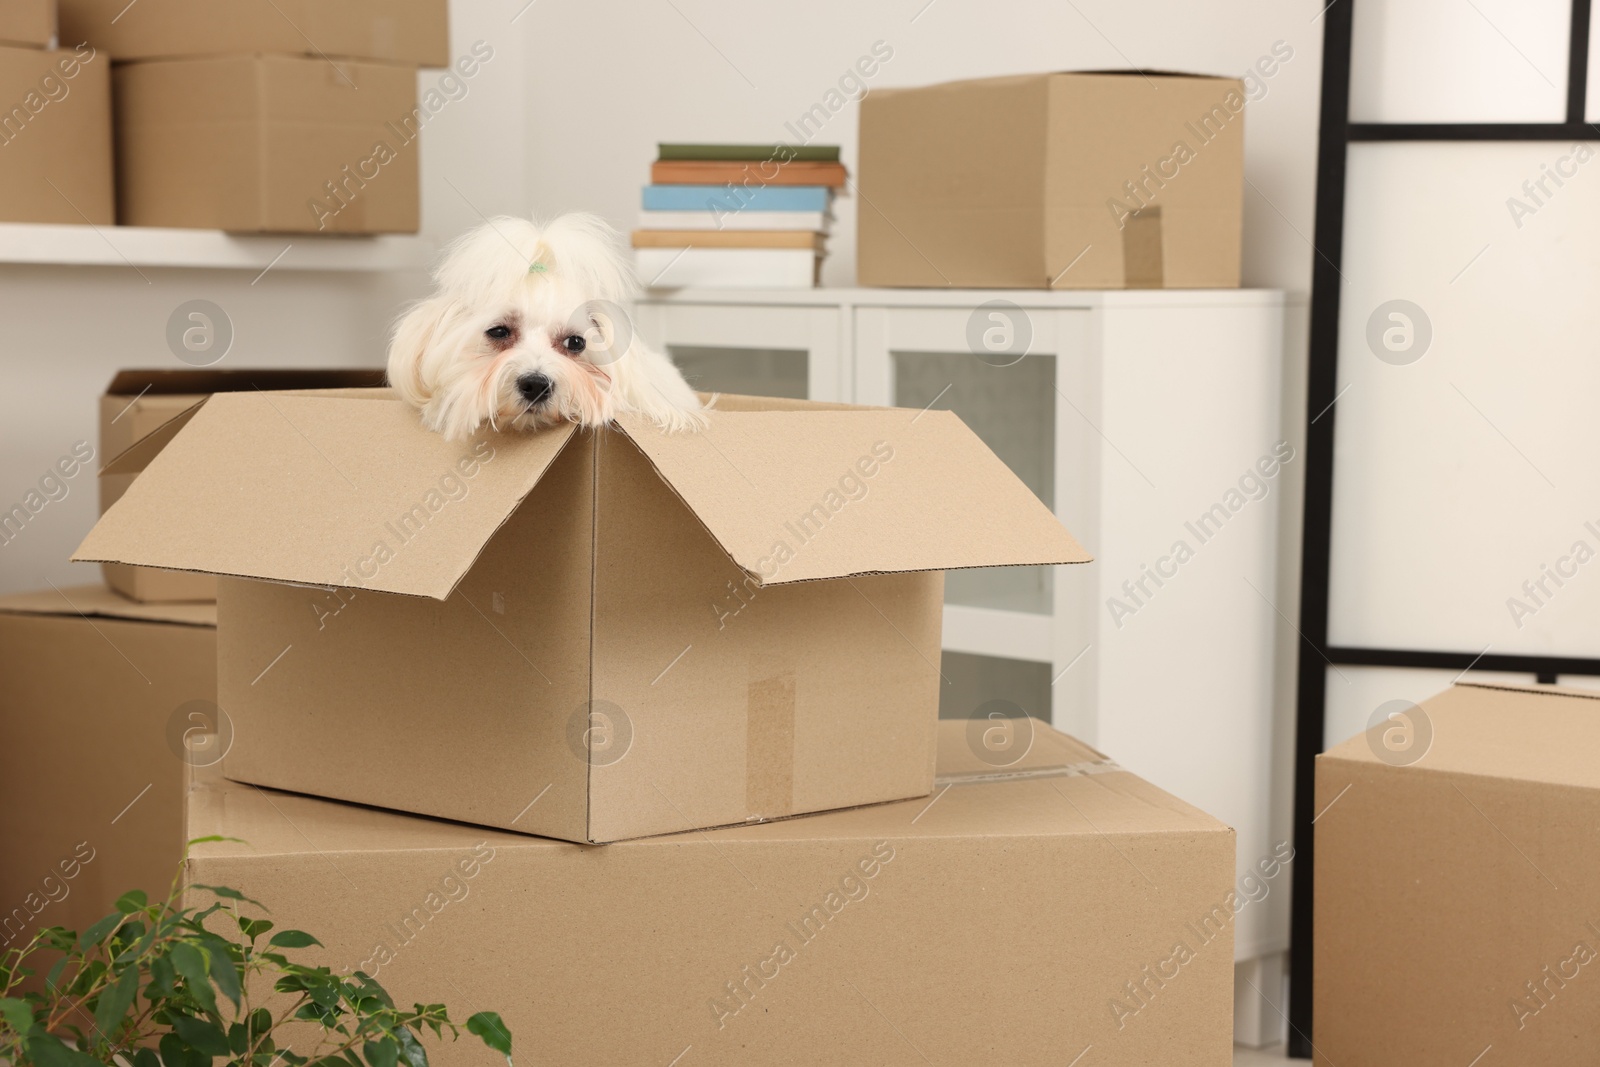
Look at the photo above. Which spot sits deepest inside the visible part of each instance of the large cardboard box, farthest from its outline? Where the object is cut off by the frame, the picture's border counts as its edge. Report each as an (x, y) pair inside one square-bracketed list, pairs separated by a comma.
[(55, 136), (291, 145), (1060, 907), (587, 635), (1053, 181), (28, 22), (1458, 885), (139, 402), (105, 705), (408, 32)]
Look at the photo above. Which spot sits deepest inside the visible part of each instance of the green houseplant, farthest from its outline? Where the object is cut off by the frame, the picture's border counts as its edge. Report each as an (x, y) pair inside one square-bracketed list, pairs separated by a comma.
[(152, 985)]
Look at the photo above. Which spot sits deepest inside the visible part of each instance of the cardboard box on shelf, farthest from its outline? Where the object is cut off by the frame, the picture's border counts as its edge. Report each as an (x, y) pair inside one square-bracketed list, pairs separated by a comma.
[(586, 635), (1019, 918), (106, 705), (139, 402), (55, 136), (30, 23), (267, 144), (1457, 883), (408, 32), (1054, 181)]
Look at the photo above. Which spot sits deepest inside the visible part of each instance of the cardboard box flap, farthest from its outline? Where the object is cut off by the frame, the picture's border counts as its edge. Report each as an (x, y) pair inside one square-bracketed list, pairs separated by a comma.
[(800, 496), (137, 456), (1545, 734), (321, 491), (98, 602), (1090, 806)]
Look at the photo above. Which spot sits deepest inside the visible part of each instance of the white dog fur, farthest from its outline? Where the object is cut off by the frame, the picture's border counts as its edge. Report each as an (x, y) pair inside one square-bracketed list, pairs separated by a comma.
[(528, 328)]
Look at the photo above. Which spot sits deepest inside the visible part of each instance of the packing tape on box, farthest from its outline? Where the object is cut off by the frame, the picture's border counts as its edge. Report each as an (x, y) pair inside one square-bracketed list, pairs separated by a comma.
[(769, 745), (1143, 266), (1068, 770)]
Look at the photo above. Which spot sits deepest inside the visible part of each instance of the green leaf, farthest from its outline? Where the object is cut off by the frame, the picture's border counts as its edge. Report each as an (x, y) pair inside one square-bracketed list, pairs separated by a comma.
[(45, 1050), (207, 1037), (384, 1052), (52, 980), (410, 1048), (254, 928), (229, 893), (132, 901), (175, 1053), (238, 1039), (191, 963), (488, 1026), (144, 1057), (98, 932), (115, 1002), (292, 939), (225, 973), (17, 1014), (163, 978)]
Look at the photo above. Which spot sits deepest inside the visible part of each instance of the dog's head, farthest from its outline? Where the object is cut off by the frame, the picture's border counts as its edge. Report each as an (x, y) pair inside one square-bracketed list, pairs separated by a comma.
[(526, 328)]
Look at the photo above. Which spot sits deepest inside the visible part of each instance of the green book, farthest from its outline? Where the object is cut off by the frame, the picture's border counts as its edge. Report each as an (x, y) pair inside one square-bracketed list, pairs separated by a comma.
[(821, 153)]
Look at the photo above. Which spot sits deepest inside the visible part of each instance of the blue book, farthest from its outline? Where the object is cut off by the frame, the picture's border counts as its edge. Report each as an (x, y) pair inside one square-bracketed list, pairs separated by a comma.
[(722, 198)]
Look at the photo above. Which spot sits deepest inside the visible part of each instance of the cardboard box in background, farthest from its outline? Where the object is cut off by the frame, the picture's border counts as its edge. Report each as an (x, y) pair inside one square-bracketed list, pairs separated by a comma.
[(93, 692), (408, 32), (1006, 182), (1010, 921), (645, 632), (1458, 896), (267, 144), (30, 23), (55, 137), (139, 402)]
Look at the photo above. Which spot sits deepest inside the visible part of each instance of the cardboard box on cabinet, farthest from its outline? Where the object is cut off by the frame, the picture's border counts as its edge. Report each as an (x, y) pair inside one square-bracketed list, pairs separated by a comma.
[(588, 635), (1021, 916), (1093, 180), (55, 136), (1458, 889), (105, 707), (137, 403)]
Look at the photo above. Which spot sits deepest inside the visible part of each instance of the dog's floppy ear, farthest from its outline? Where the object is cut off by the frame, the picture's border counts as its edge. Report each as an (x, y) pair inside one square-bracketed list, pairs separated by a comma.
[(413, 335)]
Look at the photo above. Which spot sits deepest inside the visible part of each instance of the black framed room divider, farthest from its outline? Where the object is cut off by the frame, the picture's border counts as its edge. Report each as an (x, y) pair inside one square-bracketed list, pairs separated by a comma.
[(1335, 136)]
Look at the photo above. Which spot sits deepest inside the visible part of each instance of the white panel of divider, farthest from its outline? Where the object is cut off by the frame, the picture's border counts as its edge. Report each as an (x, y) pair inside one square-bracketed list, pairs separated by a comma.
[(1466, 495), (1459, 60)]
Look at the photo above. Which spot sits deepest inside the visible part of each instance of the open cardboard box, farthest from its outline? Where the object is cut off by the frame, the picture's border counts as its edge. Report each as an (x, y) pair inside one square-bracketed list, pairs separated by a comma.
[(586, 635), (1458, 892), (1017, 917), (105, 707), (138, 402)]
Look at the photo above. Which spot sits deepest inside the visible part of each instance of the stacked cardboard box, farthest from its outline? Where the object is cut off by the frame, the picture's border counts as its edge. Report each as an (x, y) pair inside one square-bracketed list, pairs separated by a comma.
[(55, 122), (608, 637), (291, 116), (743, 216)]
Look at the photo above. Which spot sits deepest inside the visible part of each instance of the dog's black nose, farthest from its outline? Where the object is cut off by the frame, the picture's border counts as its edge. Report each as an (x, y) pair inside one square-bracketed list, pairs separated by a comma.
[(534, 387)]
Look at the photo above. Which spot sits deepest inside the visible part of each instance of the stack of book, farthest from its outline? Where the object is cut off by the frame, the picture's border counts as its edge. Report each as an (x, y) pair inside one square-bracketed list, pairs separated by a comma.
[(747, 216)]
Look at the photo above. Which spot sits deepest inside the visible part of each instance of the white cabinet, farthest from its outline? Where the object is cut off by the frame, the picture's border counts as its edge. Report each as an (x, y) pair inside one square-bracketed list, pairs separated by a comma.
[(1149, 421)]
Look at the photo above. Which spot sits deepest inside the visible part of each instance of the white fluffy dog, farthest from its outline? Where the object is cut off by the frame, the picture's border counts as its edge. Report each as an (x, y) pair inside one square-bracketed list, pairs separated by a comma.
[(528, 329)]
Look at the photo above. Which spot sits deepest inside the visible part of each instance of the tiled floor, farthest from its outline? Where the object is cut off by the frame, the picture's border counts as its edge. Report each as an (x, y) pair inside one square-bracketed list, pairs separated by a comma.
[(1266, 1057)]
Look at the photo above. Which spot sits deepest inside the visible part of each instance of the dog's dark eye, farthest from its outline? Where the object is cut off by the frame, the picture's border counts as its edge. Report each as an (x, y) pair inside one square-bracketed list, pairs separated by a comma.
[(498, 333), (573, 344)]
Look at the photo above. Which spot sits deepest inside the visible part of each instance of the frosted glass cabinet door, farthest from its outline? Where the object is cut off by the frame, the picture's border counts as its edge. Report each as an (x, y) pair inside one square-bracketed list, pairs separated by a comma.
[(1005, 370), (752, 349)]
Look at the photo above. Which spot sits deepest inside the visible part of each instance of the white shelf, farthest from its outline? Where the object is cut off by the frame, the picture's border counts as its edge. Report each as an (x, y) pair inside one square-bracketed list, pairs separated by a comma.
[(1003, 634), (122, 246)]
